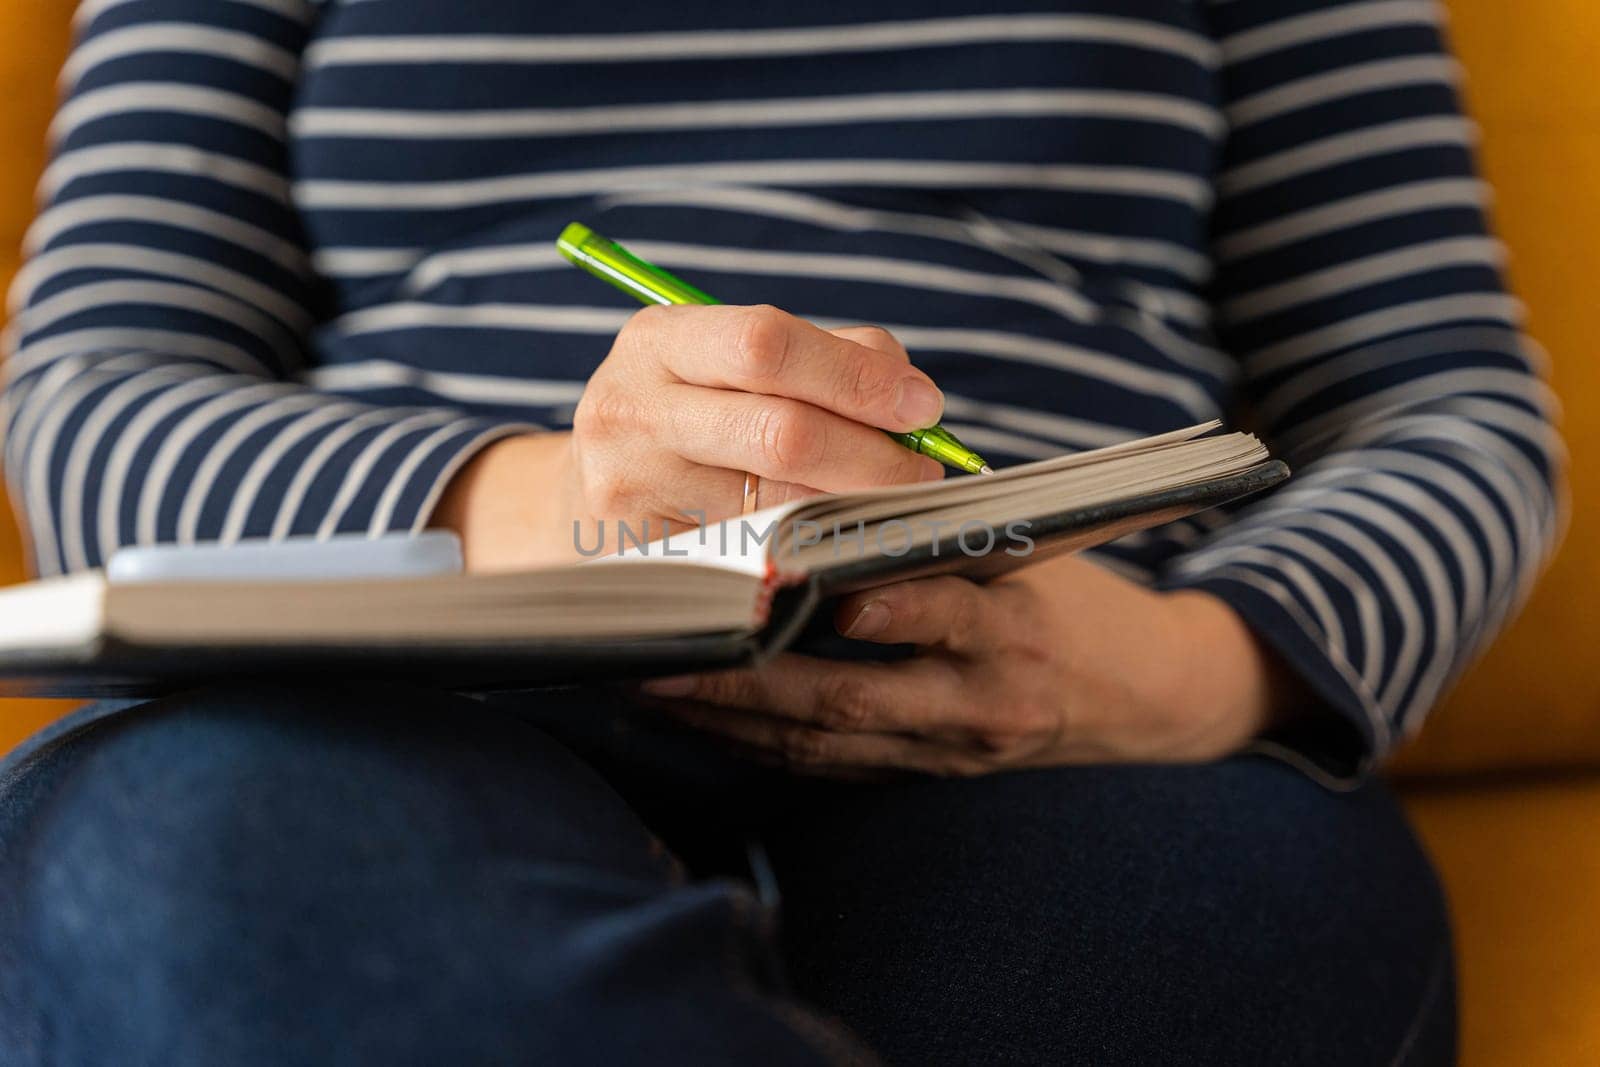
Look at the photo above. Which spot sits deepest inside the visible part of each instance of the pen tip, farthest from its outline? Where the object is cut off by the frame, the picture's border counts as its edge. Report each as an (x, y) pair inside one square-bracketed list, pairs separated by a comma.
[(985, 469)]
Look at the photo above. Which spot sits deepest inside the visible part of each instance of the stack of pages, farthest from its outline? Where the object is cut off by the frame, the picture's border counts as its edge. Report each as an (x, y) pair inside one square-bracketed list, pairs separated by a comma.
[(721, 595)]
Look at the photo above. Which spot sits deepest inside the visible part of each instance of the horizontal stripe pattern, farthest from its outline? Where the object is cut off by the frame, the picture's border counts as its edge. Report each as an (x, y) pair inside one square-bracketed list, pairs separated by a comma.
[(166, 312), (436, 124), (1359, 291), (1088, 224), (687, 46), (334, 194)]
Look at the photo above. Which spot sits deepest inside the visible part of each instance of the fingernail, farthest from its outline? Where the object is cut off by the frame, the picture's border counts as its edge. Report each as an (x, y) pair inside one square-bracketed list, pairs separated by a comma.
[(869, 621), (919, 404), (678, 686)]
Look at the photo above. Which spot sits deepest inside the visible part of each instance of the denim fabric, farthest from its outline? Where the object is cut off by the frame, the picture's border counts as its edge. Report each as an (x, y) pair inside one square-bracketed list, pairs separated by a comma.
[(371, 875)]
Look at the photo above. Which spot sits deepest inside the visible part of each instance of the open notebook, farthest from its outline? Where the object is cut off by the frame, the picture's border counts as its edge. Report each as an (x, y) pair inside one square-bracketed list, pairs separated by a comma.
[(702, 598)]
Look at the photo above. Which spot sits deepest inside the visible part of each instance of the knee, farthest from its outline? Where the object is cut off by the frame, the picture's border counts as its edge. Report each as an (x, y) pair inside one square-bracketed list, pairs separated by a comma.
[(1224, 847), (202, 788), (299, 848), (259, 876), (1278, 911), (1237, 902), (228, 777), (197, 823), (169, 812)]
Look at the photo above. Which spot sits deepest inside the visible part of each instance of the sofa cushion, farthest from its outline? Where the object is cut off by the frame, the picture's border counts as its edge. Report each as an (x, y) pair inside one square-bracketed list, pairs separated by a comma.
[(1521, 868)]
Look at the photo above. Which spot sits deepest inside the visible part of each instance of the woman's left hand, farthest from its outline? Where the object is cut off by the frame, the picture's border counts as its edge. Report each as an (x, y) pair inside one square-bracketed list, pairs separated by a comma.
[(1062, 663)]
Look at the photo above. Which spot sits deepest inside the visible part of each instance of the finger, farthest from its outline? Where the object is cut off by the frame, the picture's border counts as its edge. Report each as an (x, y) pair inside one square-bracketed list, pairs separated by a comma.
[(947, 612), (910, 697), (726, 499), (771, 492), (763, 350), (874, 337), (810, 750), (621, 483), (785, 440), (695, 495)]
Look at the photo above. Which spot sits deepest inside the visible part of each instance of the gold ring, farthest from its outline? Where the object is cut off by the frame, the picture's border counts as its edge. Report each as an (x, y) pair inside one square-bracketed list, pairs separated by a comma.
[(752, 490)]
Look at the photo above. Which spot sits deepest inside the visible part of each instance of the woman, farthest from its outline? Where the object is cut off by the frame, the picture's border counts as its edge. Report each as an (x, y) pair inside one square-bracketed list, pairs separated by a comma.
[(293, 276)]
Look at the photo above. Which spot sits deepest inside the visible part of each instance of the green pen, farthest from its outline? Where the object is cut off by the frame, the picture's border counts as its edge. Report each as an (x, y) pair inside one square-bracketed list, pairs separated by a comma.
[(649, 284)]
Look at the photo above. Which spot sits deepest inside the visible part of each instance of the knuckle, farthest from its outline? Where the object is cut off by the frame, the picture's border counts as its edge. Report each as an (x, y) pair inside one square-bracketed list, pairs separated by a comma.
[(907, 613), (882, 339), (1028, 646), (847, 704), (646, 320), (966, 767), (712, 689), (1039, 718), (762, 345), (997, 739), (788, 440), (861, 385), (604, 413), (637, 333), (801, 746), (962, 614), (1023, 725)]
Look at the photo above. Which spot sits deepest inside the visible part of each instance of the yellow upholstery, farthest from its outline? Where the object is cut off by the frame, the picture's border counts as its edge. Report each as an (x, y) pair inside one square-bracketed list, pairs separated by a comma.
[(1534, 85), (1521, 863), (35, 38)]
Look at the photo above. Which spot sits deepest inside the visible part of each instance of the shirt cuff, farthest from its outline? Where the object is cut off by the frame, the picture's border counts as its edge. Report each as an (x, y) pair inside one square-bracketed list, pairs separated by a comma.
[(1340, 739), (403, 489)]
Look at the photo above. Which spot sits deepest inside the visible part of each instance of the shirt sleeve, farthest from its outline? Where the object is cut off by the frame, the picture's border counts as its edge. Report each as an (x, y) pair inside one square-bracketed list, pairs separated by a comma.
[(163, 316), (1379, 354)]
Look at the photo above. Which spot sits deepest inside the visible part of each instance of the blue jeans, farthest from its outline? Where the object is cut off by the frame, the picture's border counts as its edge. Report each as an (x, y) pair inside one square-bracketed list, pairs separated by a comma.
[(368, 875)]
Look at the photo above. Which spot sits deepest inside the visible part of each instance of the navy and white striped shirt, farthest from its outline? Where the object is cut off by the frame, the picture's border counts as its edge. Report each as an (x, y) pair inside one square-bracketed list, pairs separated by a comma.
[(294, 265)]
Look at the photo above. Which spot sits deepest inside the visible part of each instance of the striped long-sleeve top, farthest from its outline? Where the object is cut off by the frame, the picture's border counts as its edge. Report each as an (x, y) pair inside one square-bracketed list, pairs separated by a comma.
[(294, 265)]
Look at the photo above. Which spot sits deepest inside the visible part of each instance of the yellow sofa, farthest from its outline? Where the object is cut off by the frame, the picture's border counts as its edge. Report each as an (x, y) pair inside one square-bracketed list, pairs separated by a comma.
[(33, 39), (1504, 784)]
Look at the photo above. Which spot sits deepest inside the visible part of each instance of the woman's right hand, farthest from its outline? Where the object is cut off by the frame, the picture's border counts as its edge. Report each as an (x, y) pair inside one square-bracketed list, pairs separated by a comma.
[(687, 401)]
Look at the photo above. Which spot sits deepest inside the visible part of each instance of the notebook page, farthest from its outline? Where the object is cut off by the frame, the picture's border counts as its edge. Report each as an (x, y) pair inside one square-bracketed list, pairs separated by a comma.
[(742, 543), (746, 543)]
